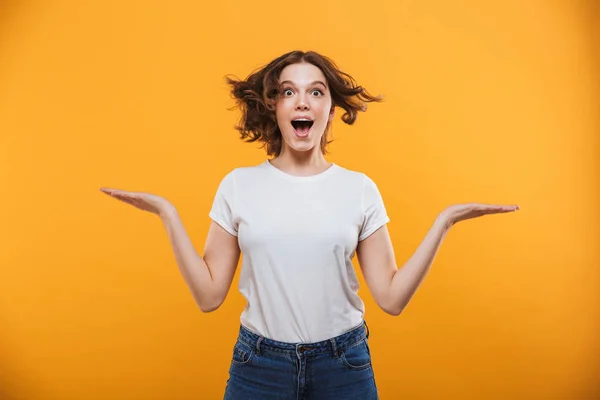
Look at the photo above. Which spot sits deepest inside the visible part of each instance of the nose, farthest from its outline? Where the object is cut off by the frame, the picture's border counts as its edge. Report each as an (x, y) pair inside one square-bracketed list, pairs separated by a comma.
[(301, 104)]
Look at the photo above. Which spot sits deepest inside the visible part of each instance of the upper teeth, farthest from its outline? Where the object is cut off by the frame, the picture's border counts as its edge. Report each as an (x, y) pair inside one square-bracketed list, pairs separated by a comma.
[(302, 119)]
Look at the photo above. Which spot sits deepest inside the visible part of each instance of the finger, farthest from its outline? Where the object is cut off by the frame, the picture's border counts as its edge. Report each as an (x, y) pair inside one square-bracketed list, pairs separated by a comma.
[(509, 208), (111, 192), (125, 194), (504, 209), (484, 208), (124, 199), (117, 191)]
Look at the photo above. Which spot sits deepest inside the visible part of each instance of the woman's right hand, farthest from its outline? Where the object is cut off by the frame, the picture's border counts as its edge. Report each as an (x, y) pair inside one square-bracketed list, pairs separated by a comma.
[(144, 201)]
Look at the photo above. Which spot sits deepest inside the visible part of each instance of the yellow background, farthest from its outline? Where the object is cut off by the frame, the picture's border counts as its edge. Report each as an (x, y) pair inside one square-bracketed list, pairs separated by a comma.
[(494, 102)]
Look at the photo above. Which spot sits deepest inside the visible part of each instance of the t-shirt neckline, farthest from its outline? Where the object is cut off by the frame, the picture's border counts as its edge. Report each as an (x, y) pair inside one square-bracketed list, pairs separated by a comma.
[(299, 178)]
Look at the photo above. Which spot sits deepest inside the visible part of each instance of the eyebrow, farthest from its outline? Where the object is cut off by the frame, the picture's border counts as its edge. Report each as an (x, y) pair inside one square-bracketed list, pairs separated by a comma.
[(312, 83)]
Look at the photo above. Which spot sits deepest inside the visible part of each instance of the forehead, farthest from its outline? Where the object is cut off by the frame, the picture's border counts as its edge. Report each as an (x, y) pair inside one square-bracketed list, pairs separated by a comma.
[(301, 74)]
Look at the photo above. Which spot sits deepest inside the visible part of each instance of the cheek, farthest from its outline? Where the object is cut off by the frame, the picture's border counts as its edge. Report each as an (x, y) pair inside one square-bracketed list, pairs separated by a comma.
[(324, 112), (279, 113), (282, 109), (323, 106), (283, 123)]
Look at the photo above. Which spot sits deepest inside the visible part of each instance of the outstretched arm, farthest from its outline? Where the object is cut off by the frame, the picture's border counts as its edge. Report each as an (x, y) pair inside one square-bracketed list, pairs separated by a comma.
[(208, 277), (393, 288)]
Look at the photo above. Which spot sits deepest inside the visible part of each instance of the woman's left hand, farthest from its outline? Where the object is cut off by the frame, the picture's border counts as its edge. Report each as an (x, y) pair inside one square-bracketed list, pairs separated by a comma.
[(461, 212)]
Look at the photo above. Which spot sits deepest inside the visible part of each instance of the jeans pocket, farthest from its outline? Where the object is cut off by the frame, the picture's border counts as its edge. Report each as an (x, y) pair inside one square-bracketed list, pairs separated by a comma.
[(357, 357), (242, 354)]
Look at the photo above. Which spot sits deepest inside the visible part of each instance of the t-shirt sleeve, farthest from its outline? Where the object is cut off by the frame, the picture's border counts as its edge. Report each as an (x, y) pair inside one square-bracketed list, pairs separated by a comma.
[(223, 204), (375, 215)]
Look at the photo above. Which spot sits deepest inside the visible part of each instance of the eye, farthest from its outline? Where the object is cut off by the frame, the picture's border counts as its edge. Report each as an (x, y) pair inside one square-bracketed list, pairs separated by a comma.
[(286, 91), (318, 91)]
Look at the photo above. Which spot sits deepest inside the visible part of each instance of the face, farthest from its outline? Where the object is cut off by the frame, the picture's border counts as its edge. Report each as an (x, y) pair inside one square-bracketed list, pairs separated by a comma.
[(303, 107)]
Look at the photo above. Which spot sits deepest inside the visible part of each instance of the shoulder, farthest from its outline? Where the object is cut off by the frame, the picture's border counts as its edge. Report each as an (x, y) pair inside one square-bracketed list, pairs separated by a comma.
[(353, 176), (243, 178), (245, 171)]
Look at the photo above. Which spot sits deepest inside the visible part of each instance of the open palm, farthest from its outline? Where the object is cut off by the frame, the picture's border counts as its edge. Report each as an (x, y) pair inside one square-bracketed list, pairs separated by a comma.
[(144, 201), (461, 212)]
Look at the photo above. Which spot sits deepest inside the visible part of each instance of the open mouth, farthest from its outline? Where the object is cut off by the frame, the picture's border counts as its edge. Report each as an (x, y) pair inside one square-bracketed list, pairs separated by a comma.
[(302, 126)]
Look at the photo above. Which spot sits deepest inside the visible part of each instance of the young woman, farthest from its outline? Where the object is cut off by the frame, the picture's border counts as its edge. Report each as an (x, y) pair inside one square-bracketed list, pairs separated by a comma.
[(299, 220)]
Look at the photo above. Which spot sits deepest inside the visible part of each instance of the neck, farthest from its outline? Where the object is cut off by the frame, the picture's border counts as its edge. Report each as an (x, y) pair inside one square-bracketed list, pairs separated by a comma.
[(301, 162)]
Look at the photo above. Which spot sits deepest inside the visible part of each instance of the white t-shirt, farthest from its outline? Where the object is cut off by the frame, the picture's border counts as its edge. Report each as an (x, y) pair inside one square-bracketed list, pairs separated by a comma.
[(298, 236)]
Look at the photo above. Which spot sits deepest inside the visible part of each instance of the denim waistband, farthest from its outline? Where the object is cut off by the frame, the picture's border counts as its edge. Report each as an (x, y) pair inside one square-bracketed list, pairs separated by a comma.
[(333, 345)]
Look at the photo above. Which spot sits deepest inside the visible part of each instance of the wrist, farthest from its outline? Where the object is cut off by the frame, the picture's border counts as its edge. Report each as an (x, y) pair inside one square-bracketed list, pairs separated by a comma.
[(167, 212), (445, 220)]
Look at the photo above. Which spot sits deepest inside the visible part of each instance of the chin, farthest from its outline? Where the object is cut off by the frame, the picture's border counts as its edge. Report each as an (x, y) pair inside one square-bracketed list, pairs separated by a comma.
[(301, 147), (300, 144)]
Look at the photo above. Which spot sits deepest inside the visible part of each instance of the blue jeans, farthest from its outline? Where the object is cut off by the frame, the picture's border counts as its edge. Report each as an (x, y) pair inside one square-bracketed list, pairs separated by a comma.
[(337, 368)]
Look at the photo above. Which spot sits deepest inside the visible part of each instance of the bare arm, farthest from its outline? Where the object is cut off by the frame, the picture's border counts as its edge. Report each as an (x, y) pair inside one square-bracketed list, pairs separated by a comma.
[(393, 288), (208, 278)]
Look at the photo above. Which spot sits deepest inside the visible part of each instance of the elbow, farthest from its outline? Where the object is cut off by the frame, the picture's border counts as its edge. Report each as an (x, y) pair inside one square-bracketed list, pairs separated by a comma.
[(209, 307), (397, 310), (209, 304), (394, 312), (206, 310), (391, 309)]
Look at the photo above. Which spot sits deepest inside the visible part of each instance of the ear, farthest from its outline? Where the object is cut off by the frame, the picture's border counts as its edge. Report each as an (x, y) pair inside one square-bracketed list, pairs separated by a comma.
[(331, 114)]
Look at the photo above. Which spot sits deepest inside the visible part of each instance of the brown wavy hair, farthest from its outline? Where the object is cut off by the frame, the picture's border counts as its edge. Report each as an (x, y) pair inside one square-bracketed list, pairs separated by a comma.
[(257, 95)]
